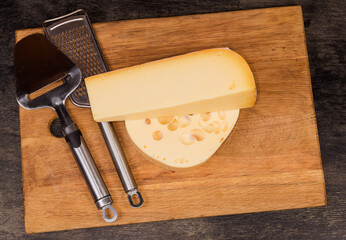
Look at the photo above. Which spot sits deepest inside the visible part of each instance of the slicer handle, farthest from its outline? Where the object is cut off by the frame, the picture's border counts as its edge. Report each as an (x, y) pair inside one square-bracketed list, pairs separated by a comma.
[(96, 185), (120, 162)]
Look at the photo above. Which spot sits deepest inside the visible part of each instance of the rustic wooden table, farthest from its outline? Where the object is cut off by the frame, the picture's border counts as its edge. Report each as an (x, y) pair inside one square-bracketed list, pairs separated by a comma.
[(325, 33)]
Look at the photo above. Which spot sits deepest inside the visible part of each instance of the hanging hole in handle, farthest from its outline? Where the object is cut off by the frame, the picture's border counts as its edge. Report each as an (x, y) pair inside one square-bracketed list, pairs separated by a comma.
[(135, 198), (108, 211)]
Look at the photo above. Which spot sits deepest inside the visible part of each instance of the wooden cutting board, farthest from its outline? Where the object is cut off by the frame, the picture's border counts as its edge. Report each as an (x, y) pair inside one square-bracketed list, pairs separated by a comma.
[(270, 161)]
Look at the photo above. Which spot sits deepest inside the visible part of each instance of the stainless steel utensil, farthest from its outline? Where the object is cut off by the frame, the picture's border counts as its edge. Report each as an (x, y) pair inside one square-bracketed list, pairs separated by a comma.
[(74, 36), (39, 63)]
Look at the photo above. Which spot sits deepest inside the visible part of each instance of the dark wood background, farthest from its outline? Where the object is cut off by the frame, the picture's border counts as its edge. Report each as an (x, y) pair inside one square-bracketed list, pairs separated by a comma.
[(326, 36)]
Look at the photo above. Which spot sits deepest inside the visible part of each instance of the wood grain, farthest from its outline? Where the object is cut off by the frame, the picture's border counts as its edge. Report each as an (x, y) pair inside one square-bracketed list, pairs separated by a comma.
[(270, 161)]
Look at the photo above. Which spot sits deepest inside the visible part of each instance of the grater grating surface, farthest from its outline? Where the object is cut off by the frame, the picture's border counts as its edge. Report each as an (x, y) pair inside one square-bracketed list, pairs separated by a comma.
[(74, 36)]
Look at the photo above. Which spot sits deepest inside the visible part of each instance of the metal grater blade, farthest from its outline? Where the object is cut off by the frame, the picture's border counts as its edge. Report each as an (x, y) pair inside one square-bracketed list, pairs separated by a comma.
[(74, 36)]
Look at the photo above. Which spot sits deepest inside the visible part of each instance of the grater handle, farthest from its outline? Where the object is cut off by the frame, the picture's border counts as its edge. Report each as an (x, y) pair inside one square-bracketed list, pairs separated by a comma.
[(121, 164)]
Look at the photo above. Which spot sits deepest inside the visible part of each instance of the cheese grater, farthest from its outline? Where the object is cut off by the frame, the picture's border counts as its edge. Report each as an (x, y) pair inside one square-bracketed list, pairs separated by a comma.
[(73, 35)]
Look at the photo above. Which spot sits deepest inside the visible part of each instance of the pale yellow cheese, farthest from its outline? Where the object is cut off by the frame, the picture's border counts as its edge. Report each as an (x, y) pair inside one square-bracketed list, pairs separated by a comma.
[(179, 143), (204, 81)]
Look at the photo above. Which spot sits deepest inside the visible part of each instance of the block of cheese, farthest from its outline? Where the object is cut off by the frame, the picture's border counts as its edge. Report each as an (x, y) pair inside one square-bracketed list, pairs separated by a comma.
[(203, 81), (179, 143)]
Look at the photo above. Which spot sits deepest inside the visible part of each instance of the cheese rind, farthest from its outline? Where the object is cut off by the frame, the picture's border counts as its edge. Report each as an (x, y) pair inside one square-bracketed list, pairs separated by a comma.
[(181, 142), (204, 81)]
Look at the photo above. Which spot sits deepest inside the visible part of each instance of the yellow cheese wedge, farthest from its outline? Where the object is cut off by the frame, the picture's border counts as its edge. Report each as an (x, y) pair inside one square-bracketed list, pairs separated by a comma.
[(179, 143), (204, 81)]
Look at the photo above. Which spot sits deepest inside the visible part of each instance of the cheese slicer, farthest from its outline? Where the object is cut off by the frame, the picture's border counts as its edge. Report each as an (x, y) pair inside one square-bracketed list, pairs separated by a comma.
[(38, 63), (73, 35)]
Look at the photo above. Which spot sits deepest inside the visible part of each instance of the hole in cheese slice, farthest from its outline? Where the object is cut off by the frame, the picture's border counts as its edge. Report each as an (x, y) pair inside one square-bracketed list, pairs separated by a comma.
[(193, 142)]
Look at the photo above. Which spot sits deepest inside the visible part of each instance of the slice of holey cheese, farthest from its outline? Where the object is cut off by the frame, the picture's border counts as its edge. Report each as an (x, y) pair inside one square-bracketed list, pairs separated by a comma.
[(204, 81), (178, 143)]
